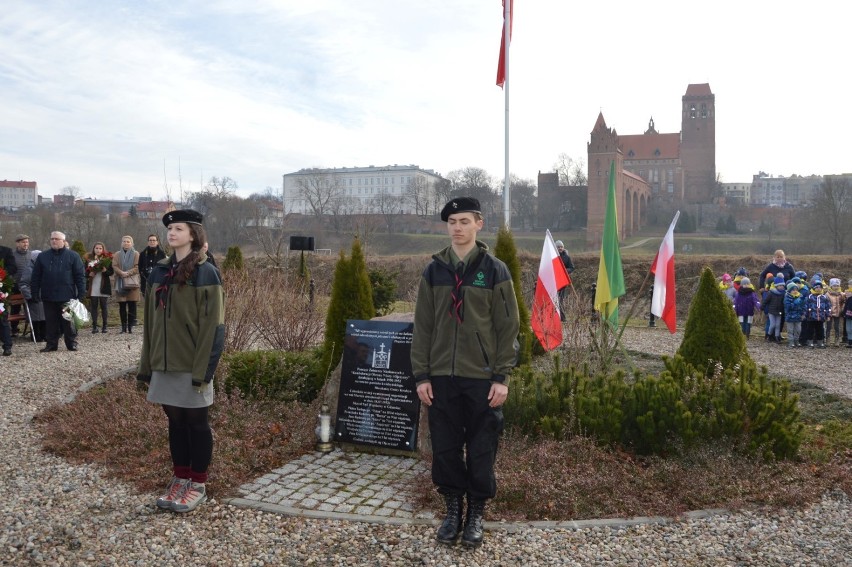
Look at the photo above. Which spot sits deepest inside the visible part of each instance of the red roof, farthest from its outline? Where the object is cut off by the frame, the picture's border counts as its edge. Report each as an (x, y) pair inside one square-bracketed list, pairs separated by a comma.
[(699, 89), (19, 184), (650, 146)]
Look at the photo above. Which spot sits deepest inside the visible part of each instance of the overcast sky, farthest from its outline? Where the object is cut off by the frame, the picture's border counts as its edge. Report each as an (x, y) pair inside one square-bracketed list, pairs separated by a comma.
[(124, 98)]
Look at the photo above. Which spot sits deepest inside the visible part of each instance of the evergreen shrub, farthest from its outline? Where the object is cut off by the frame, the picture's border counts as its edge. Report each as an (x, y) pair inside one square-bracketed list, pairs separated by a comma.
[(383, 283), (281, 375), (233, 259), (351, 298), (712, 334), (505, 250), (80, 248), (651, 414)]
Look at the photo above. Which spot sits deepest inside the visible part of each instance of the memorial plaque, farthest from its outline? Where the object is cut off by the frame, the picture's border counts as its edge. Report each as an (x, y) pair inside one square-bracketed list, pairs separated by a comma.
[(378, 403)]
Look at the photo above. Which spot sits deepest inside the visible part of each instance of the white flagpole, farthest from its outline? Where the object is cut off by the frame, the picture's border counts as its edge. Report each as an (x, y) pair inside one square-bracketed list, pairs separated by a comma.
[(507, 192)]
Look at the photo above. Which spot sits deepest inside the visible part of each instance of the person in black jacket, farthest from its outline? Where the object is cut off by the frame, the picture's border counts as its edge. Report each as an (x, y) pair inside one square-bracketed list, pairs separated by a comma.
[(11, 269), (58, 277), (148, 258), (569, 267), (778, 267)]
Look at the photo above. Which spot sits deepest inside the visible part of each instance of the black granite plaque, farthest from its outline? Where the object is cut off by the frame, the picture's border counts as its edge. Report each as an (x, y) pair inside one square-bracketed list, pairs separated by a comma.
[(378, 403)]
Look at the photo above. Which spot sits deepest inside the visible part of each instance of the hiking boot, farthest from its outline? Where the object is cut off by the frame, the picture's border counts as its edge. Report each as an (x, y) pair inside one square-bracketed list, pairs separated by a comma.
[(472, 536), (194, 493), (811, 344), (821, 344), (451, 527), (173, 490)]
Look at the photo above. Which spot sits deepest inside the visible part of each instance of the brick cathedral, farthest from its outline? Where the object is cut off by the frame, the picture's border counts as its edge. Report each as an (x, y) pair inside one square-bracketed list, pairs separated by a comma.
[(676, 167)]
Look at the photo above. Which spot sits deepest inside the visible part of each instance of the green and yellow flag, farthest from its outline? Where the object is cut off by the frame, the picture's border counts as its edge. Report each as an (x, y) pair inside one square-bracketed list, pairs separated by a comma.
[(610, 274)]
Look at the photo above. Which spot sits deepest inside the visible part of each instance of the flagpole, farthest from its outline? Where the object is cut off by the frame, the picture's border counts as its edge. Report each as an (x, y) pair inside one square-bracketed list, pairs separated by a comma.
[(507, 191)]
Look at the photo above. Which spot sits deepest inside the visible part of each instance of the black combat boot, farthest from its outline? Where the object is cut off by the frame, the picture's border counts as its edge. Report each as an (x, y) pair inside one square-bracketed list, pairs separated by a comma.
[(450, 529), (472, 535)]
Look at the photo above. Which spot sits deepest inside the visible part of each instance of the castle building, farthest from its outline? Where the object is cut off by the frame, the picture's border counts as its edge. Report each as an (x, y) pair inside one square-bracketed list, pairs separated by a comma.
[(678, 167)]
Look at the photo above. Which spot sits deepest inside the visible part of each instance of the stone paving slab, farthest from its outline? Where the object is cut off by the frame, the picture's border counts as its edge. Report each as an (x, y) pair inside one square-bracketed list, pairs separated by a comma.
[(340, 485)]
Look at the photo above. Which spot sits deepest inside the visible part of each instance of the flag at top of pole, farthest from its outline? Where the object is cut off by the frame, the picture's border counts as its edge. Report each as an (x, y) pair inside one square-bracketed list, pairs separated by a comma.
[(504, 42), (610, 284), (552, 276), (663, 300)]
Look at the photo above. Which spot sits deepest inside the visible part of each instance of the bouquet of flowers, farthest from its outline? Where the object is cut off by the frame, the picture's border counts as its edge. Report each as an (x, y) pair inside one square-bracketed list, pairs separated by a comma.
[(100, 264), (75, 312)]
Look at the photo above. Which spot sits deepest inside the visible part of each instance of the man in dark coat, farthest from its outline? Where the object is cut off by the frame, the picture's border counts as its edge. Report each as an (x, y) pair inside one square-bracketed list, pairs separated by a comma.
[(148, 258), (11, 269), (58, 277)]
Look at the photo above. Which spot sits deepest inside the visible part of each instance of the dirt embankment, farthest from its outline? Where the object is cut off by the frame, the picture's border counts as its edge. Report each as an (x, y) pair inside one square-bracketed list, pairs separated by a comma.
[(687, 272)]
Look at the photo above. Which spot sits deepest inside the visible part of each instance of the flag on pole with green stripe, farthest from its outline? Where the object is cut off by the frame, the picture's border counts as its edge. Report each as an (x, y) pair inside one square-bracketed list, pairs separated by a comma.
[(610, 273)]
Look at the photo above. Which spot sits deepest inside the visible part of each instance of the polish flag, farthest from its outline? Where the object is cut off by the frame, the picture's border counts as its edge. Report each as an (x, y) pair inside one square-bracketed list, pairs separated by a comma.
[(663, 301), (501, 62), (552, 277)]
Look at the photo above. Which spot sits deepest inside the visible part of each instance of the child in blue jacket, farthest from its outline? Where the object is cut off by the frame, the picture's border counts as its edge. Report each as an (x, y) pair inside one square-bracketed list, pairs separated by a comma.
[(794, 311)]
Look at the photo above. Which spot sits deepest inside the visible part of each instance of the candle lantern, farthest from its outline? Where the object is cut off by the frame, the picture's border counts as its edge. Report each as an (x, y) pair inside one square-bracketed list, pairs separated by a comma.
[(324, 444)]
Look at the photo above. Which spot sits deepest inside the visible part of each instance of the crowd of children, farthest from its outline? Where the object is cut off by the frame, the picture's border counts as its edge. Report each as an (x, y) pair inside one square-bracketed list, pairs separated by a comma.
[(812, 312)]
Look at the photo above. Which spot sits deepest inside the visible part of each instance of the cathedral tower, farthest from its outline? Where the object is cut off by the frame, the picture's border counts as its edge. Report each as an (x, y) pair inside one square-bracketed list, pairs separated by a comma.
[(698, 143)]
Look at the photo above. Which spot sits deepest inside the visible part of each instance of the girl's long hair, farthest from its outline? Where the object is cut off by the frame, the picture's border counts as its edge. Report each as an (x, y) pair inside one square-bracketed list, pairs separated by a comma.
[(92, 253), (186, 266)]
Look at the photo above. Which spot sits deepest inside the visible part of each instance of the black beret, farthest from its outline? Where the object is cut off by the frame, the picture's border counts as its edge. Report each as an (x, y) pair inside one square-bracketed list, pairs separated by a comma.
[(183, 215), (460, 205)]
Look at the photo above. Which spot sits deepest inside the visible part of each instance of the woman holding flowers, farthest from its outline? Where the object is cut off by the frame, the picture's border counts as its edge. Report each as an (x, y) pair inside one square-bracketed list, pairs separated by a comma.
[(125, 263), (98, 271), (182, 341)]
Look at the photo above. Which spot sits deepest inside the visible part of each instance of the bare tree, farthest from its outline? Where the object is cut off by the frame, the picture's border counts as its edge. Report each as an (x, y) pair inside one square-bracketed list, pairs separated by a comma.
[(390, 207), (226, 214), (222, 186), (476, 182), (319, 189), (832, 209), (571, 172), (364, 227), (266, 227), (72, 191), (85, 224), (417, 193), (340, 211), (523, 201)]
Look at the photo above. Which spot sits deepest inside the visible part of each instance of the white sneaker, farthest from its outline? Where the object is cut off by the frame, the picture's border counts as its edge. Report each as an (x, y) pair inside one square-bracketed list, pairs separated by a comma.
[(194, 493), (173, 490)]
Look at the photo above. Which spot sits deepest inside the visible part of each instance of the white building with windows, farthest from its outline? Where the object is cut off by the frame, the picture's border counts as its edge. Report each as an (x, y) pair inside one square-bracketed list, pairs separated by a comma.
[(18, 194), (389, 189), (793, 191)]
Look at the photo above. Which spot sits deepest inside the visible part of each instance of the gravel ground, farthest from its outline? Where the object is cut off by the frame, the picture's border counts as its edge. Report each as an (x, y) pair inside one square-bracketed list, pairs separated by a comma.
[(827, 368), (54, 513)]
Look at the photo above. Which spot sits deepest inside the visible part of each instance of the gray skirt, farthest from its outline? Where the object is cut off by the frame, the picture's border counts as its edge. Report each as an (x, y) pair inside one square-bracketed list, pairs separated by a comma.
[(175, 389)]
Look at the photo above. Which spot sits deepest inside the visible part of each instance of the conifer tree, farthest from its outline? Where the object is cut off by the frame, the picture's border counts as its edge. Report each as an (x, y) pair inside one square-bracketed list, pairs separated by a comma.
[(78, 247), (506, 250), (233, 259), (712, 333), (351, 298)]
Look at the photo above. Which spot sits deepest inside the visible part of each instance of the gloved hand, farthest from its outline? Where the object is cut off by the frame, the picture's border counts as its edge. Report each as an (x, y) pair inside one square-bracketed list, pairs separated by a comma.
[(200, 387), (142, 381)]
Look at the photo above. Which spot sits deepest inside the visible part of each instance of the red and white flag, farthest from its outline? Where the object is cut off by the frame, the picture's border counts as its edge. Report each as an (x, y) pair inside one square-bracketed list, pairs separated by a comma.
[(501, 63), (552, 276), (663, 300)]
